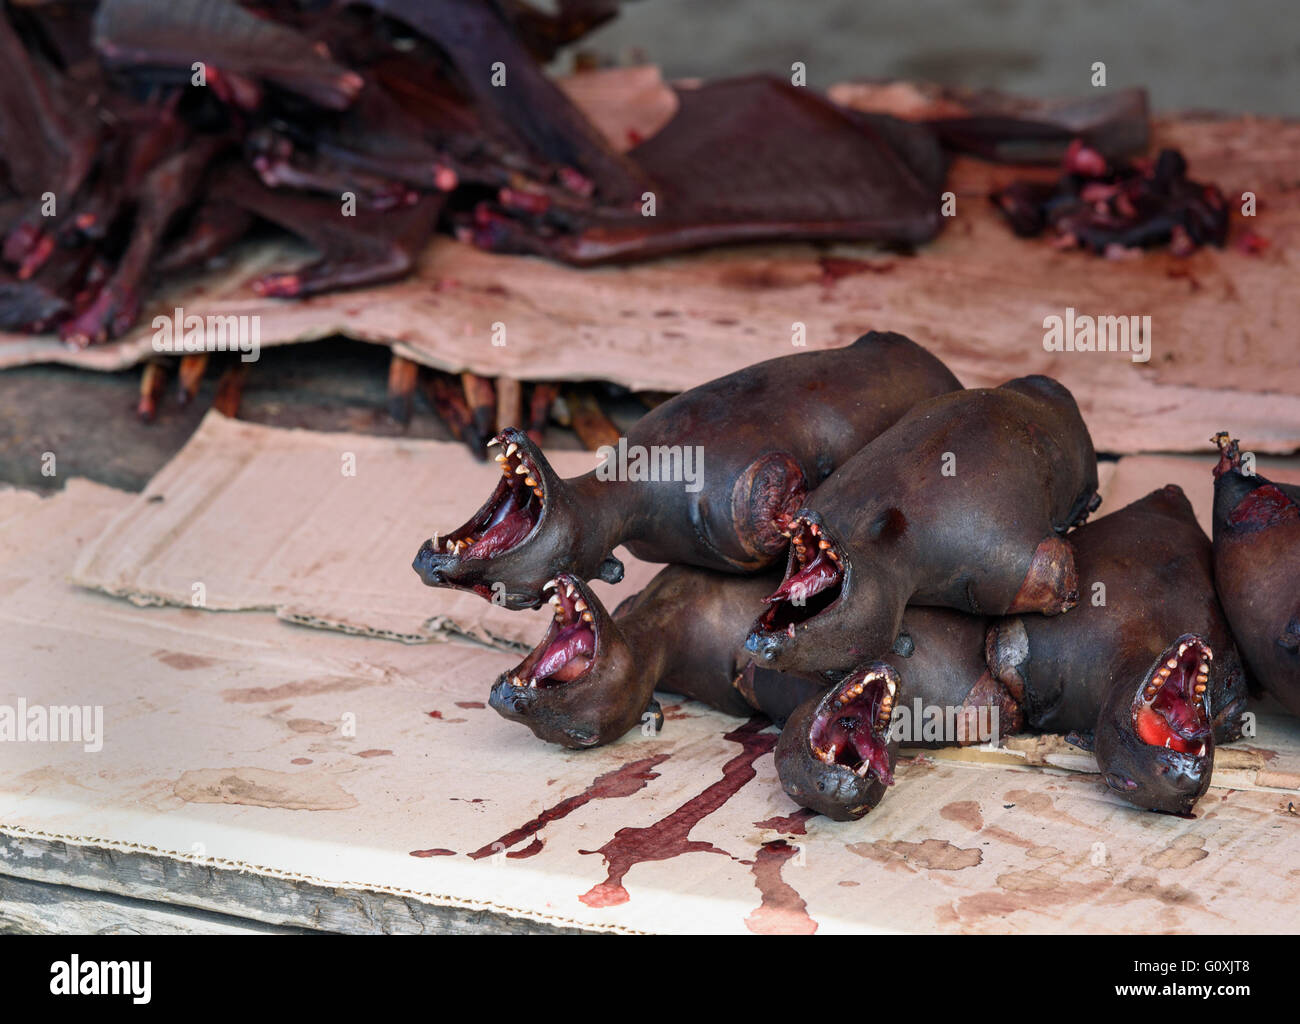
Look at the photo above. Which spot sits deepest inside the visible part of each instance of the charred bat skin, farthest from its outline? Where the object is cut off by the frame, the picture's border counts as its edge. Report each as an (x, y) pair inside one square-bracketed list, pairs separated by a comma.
[(1257, 570), (1152, 669), (730, 167), (961, 504), (766, 436), (593, 676), (837, 752)]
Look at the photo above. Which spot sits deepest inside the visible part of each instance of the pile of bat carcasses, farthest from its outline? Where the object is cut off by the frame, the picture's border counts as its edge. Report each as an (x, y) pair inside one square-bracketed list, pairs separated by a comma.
[(940, 584), (139, 141)]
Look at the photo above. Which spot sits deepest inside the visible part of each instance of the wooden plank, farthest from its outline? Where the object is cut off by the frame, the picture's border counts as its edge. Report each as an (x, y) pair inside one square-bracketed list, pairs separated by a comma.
[(201, 887), (39, 908)]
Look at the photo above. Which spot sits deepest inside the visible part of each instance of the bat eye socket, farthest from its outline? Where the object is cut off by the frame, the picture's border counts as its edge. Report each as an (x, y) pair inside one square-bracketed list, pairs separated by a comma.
[(1120, 783)]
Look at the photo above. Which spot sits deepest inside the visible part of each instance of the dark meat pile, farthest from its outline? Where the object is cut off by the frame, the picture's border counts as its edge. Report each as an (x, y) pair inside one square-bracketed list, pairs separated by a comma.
[(139, 139), (1112, 207)]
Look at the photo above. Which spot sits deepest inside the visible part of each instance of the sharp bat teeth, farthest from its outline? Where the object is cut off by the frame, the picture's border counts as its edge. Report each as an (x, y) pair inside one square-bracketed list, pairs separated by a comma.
[(815, 529), (570, 589), (494, 441), (861, 772), (893, 687), (823, 544), (586, 617), (537, 491), (1171, 664), (548, 585), (789, 631), (1182, 648), (580, 605), (554, 599), (499, 457), (1200, 688), (435, 542), (522, 470), (1167, 741), (512, 448), (530, 481), (532, 683)]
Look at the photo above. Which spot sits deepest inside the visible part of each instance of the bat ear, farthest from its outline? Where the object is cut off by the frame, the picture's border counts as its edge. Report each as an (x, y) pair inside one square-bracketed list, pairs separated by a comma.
[(611, 570)]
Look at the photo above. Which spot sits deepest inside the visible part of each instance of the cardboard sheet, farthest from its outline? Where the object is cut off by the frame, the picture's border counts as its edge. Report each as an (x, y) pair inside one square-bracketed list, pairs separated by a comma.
[(252, 517), (331, 550), (1221, 353), (241, 741)]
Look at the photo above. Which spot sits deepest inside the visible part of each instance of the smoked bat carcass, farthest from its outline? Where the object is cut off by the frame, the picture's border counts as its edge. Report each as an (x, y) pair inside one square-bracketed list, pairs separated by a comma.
[(1145, 664), (1257, 570), (757, 440), (963, 504), (838, 749), (593, 675)]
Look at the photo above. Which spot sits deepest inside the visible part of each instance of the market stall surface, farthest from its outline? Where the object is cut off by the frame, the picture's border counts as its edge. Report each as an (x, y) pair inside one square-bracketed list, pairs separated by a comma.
[(239, 771), (282, 729)]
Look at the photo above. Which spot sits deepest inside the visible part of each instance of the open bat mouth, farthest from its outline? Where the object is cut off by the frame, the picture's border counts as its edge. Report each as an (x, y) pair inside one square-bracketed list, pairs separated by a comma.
[(851, 725), (568, 650), (1171, 709), (509, 515), (814, 578)]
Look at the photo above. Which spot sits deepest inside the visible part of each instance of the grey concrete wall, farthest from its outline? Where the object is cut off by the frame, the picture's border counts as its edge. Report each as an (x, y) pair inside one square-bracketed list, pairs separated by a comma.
[(1191, 54)]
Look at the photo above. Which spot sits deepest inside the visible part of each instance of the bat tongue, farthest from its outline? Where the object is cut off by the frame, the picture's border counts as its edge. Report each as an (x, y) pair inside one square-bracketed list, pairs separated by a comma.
[(512, 528), (568, 655), (811, 579), (1180, 713), (1175, 715)]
